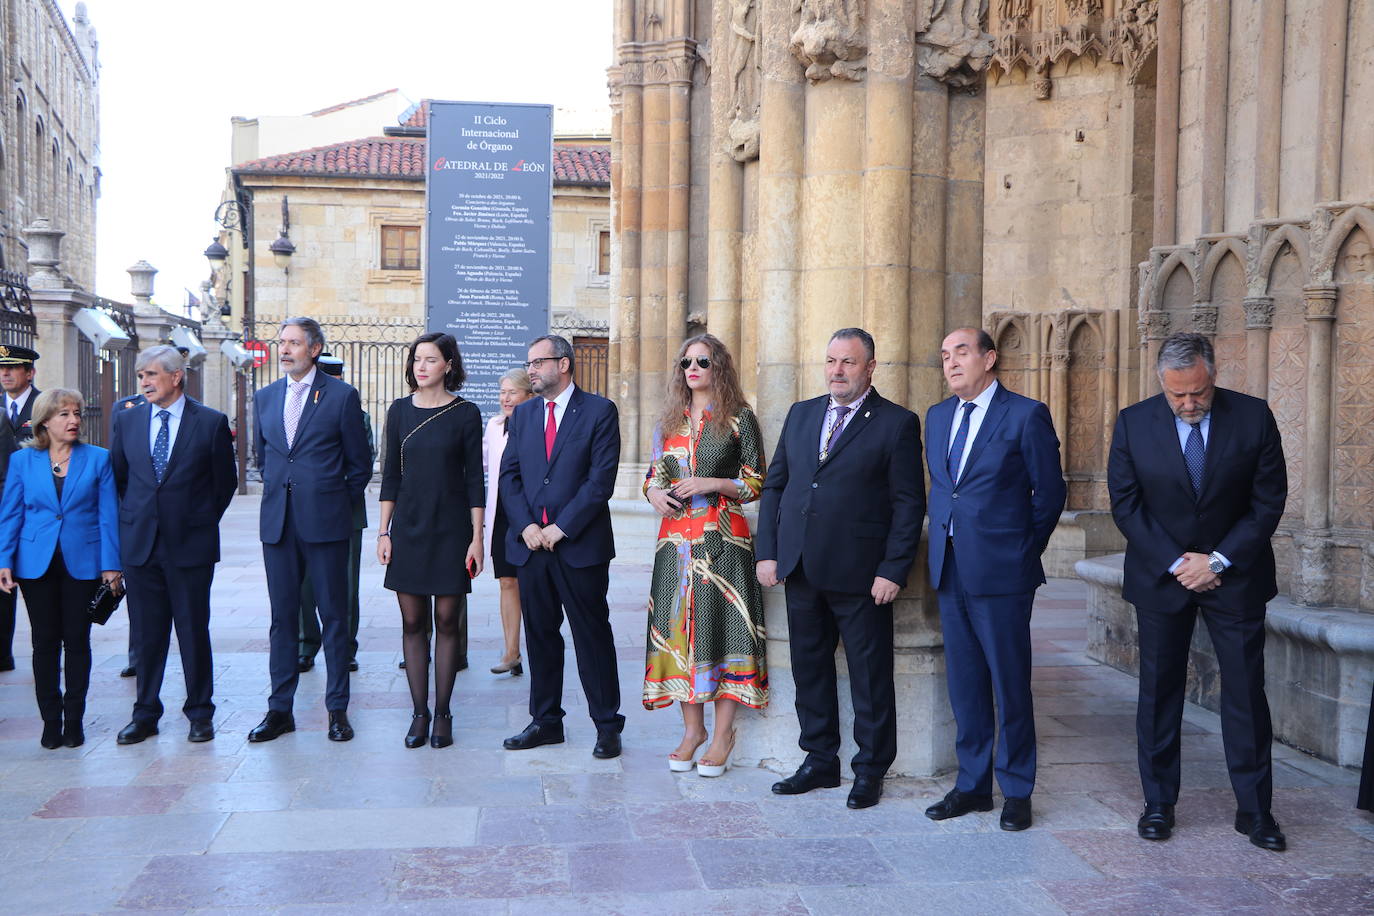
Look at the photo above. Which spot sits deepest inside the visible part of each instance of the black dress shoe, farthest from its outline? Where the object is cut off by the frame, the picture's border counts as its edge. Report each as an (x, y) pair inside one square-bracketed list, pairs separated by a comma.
[(136, 732), (7, 663), (73, 735), (1262, 829), (957, 804), (1016, 814), (1156, 823), (52, 734), (462, 664), (128, 671), (866, 792), (607, 746), (419, 730), (201, 730), (806, 778), (352, 664), (304, 663), (534, 735), (273, 725), (443, 730), (339, 729)]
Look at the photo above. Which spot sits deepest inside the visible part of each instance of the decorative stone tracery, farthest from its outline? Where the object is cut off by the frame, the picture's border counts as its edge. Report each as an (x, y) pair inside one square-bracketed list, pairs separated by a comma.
[(1072, 30)]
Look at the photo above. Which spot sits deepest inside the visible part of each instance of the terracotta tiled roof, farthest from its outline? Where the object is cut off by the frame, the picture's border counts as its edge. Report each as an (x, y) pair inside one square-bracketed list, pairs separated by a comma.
[(383, 157), (342, 105), (417, 116), (404, 157), (589, 165)]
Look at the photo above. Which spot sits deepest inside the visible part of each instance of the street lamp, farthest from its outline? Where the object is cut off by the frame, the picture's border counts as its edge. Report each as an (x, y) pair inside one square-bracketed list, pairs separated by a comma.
[(282, 249), (216, 254)]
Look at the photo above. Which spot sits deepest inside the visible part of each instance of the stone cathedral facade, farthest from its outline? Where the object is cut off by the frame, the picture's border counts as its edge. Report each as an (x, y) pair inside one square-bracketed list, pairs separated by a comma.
[(1079, 177)]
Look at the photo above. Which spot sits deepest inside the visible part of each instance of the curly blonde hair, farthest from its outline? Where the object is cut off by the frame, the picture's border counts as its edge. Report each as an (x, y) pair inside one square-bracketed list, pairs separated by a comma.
[(727, 397)]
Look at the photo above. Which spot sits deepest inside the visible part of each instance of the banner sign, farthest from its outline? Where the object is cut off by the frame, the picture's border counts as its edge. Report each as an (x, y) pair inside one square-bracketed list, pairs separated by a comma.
[(488, 198)]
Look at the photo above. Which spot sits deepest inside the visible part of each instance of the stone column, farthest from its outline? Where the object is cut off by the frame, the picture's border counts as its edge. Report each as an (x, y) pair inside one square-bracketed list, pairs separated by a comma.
[(1269, 95), (1321, 318), (886, 192), (217, 373), (1154, 327), (678, 196), (1167, 62), (929, 317), (53, 308), (627, 324), (1111, 371), (1331, 50), (1259, 320), (782, 122), (1059, 392), (653, 276), (725, 216), (1216, 62)]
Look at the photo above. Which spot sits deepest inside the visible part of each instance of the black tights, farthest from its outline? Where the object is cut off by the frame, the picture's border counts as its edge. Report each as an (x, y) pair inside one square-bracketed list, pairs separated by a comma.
[(450, 619)]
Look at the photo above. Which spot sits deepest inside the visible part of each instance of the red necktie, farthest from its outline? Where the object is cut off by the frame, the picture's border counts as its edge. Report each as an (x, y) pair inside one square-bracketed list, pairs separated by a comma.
[(550, 433)]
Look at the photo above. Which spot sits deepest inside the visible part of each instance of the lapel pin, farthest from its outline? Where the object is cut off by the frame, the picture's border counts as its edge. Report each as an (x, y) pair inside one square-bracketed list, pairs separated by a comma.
[(866, 414), (317, 395)]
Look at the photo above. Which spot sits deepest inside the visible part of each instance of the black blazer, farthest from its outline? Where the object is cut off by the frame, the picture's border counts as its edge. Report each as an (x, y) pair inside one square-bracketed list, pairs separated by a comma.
[(23, 428), (574, 484), (855, 516), (325, 470), (1244, 488), (7, 447), (186, 508)]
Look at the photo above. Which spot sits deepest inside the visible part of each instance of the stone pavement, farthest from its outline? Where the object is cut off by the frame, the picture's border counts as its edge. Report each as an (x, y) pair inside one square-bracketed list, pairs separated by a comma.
[(302, 825)]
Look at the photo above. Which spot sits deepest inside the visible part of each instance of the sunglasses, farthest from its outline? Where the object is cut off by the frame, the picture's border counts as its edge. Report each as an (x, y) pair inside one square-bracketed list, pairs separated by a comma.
[(703, 362)]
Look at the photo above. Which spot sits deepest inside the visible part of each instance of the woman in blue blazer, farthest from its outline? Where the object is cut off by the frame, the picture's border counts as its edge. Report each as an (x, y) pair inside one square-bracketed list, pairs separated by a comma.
[(59, 537)]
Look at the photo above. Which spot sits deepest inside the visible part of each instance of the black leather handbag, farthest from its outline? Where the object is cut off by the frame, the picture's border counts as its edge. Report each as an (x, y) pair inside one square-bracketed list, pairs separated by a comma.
[(104, 603)]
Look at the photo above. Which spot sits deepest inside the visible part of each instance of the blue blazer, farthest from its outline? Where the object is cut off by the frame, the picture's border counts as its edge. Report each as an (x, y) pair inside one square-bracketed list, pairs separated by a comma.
[(574, 485), (1008, 499), (186, 507), (325, 470), (85, 522)]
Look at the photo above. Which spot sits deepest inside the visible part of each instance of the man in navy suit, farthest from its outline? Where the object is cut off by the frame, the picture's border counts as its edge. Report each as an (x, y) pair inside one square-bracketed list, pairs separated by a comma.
[(557, 476), (174, 468), (1198, 485), (312, 450), (839, 522), (996, 491)]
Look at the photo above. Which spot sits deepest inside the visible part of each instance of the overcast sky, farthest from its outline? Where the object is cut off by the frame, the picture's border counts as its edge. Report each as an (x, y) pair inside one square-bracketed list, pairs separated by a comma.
[(173, 73)]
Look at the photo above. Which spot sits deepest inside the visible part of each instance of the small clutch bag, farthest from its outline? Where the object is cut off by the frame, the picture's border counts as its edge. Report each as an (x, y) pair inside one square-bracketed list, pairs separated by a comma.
[(104, 603)]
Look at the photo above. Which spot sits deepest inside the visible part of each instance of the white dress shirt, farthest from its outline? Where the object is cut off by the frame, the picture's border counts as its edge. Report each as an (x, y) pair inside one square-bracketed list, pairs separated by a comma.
[(560, 407), (828, 427), (173, 423), (308, 381), (975, 423), (20, 401)]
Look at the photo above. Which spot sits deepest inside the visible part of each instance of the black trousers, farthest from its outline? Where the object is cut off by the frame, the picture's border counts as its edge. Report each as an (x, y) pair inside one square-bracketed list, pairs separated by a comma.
[(7, 608), (170, 596), (548, 586), (816, 621), (310, 618), (1246, 732), (286, 563), (58, 614)]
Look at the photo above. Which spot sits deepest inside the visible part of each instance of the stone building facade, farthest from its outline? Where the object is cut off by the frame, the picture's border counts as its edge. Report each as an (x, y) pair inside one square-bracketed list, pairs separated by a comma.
[(1079, 177), (49, 133)]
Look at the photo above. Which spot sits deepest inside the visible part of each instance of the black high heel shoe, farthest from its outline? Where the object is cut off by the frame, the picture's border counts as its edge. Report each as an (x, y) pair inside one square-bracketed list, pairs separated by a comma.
[(419, 730), (73, 735), (52, 734), (444, 740)]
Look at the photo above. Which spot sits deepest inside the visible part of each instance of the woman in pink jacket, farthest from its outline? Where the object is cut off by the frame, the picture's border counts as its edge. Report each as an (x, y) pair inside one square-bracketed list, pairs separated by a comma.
[(515, 390)]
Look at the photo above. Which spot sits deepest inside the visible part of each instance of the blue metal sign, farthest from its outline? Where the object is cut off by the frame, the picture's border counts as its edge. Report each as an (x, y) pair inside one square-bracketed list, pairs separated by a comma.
[(488, 196)]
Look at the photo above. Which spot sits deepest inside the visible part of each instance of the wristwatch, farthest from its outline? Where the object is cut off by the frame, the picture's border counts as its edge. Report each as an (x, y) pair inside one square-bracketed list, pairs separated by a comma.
[(1215, 563)]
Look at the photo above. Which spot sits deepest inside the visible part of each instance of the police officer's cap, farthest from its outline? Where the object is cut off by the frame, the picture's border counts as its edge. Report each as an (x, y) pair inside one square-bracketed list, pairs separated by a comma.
[(330, 364), (11, 355)]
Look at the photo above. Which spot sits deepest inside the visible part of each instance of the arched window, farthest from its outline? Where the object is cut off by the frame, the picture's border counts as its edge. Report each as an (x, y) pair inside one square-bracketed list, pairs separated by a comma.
[(37, 205), (55, 198), (22, 150)]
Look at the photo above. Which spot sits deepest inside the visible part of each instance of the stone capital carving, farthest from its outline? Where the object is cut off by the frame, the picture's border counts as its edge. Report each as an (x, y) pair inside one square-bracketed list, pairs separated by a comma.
[(1154, 324), (1320, 302), (1205, 319), (829, 39), (1059, 359), (1259, 313), (950, 42), (1137, 35)]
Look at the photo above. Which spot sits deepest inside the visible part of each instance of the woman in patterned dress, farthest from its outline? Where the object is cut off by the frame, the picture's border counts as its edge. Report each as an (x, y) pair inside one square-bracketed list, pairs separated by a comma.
[(706, 636)]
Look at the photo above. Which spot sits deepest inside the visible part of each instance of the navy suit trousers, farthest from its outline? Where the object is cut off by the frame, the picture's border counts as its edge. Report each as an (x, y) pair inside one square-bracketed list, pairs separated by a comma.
[(326, 563), (987, 657), (168, 596)]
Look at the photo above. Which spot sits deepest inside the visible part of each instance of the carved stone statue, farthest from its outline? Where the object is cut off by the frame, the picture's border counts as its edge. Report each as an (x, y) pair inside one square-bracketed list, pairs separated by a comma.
[(1013, 12), (951, 43), (745, 74), (829, 39)]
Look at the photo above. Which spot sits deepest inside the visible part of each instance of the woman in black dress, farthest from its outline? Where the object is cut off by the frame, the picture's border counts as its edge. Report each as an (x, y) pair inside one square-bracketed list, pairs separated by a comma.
[(431, 526)]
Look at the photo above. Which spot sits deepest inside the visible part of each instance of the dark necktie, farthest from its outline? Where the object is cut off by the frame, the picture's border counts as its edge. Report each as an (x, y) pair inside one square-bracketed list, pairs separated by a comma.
[(1195, 456), (162, 445), (956, 451), (14, 414), (840, 413)]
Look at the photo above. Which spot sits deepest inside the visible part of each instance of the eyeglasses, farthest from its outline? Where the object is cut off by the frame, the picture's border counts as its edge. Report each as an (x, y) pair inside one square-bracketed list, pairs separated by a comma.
[(536, 363), (703, 362)]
